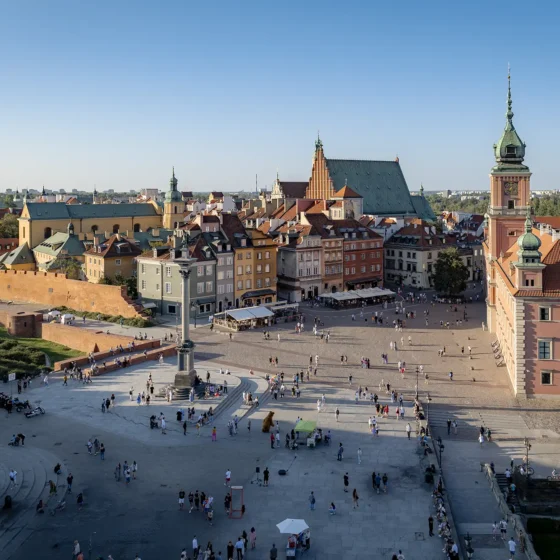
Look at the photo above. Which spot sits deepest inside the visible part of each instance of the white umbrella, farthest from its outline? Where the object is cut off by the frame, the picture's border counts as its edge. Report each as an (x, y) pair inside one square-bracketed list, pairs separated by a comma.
[(292, 526)]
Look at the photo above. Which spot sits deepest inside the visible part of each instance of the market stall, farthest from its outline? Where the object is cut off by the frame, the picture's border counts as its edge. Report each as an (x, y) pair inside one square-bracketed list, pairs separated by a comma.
[(300, 536), (308, 433), (244, 318)]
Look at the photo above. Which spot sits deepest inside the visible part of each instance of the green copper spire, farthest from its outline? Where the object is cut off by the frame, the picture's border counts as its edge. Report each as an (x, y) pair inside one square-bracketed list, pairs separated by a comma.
[(510, 149), (173, 195), (529, 243), (318, 143)]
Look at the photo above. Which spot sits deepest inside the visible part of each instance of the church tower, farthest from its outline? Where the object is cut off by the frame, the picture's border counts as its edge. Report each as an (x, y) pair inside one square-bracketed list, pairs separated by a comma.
[(510, 189), (173, 206), (320, 183)]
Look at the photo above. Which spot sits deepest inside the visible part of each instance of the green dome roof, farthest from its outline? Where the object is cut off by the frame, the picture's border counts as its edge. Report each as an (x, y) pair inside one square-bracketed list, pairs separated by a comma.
[(173, 195), (529, 242)]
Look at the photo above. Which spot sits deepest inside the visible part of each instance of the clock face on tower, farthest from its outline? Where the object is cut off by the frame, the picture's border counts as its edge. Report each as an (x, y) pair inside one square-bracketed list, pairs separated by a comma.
[(511, 188)]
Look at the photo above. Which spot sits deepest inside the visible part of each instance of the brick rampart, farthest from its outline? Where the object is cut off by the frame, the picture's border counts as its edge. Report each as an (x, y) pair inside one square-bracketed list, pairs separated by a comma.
[(55, 290)]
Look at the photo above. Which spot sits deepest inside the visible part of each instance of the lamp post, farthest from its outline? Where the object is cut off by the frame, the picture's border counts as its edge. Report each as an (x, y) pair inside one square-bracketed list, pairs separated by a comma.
[(416, 382), (468, 548), (527, 449), (441, 448)]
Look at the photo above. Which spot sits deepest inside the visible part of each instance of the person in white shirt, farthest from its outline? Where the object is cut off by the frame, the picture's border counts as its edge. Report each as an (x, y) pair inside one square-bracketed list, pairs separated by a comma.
[(228, 478), (511, 545), (195, 547)]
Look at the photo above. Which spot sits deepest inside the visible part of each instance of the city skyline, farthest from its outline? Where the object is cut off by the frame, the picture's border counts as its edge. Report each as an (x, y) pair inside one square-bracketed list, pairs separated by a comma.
[(115, 96)]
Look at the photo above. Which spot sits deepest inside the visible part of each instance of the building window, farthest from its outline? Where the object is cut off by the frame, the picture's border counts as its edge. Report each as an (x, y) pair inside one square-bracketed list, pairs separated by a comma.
[(259, 256), (546, 378), (363, 256), (90, 260), (240, 271), (200, 270), (116, 228), (142, 268), (267, 268), (172, 309), (200, 288), (221, 289), (168, 271), (143, 284), (209, 270), (229, 260), (529, 282), (117, 262), (209, 287), (168, 287), (363, 269), (220, 275), (353, 270), (259, 268), (247, 284), (259, 283), (511, 204), (248, 256), (229, 274), (221, 261), (47, 233), (544, 313), (248, 269), (229, 288), (136, 228), (267, 254), (239, 256), (545, 348), (240, 284)]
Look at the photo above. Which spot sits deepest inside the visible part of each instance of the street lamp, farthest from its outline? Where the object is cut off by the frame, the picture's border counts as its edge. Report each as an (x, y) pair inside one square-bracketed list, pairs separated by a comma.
[(441, 448), (468, 547), (527, 449), (416, 382)]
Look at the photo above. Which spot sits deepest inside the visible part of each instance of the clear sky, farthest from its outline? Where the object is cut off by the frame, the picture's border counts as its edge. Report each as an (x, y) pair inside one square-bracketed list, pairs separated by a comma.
[(115, 92)]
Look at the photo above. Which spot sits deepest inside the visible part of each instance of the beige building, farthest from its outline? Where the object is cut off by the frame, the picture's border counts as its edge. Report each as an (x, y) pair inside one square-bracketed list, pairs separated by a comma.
[(115, 256)]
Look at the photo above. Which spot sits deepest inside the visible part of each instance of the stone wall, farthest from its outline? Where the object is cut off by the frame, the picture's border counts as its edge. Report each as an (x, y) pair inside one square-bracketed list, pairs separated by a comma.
[(82, 339), (22, 324), (55, 290)]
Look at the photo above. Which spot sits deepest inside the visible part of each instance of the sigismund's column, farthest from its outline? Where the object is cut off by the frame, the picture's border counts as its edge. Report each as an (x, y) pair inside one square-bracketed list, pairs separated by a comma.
[(186, 373)]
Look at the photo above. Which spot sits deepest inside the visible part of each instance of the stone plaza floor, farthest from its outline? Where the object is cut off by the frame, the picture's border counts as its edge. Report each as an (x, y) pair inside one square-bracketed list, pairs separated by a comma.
[(144, 517)]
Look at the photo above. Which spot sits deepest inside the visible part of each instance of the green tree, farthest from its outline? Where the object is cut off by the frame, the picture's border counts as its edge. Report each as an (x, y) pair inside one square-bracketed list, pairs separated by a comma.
[(451, 275), (9, 226), (72, 268)]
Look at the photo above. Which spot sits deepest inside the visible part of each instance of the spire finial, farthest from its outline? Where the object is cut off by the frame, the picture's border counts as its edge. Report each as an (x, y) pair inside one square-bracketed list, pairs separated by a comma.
[(277, 176), (318, 143), (528, 221), (421, 189), (509, 113)]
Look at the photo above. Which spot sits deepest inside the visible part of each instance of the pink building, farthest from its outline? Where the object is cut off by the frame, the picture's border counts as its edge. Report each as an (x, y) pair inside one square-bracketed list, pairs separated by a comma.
[(523, 264)]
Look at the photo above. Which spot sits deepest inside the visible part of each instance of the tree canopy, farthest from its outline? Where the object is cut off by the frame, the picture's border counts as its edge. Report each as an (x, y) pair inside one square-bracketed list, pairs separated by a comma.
[(450, 275), (9, 226)]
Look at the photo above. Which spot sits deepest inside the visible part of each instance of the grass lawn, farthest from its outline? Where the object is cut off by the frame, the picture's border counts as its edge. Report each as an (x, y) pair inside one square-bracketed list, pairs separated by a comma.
[(56, 352)]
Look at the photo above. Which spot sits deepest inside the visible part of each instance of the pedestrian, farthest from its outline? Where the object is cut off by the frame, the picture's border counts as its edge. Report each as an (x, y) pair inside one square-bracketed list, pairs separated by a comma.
[(181, 499), (336, 413), (214, 434), (102, 452), (495, 531), (340, 455), (503, 529), (118, 472), (163, 424), (195, 547), (13, 477), (454, 426), (312, 501), (359, 455), (511, 546), (273, 552), (253, 535), (76, 549), (228, 478), (400, 555), (448, 426), (355, 499), (346, 482), (481, 439), (431, 525), (185, 428), (134, 469), (272, 440), (69, 480), (266, 474), (239, 547), (408, 430)]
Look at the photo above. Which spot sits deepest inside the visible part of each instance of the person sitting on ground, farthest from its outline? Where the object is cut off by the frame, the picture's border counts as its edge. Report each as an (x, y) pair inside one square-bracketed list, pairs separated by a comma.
[(332, 509), (40, 507)]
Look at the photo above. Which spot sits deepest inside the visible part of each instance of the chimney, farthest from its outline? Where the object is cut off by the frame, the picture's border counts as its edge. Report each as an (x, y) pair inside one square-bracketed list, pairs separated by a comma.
[(155, 232)]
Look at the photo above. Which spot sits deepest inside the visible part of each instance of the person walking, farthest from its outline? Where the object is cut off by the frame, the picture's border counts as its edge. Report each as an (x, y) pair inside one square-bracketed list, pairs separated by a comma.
[(337, 413), (228, 478), (408, 430), (195, 547), (273, 552), (102, 452), (448, 426), (312, 501), (340, 452), (431, 526), (69, 480), (266, 475), (355, 499), (134, 469), (511, 546), (359, 455), (163, 424), (239, 547), (345, 478)]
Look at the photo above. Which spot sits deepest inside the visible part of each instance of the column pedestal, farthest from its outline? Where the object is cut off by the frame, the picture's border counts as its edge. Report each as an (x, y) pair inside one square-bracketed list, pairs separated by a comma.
[(186, 374)]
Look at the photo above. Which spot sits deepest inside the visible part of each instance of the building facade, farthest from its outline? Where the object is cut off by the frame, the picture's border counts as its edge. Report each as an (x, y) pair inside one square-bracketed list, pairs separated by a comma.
[(523, 275)]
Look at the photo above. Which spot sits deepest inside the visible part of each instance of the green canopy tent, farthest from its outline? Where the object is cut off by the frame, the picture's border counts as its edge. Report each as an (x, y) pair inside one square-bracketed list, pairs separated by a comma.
[(305, 426)]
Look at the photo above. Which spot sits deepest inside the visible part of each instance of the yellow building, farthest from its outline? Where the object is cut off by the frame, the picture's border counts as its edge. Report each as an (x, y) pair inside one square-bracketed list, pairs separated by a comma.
[(115, 256), (39, 221), (21, 258)]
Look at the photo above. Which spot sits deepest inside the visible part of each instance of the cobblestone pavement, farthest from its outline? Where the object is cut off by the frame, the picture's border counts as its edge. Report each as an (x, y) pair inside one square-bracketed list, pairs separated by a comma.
[(143, 517)]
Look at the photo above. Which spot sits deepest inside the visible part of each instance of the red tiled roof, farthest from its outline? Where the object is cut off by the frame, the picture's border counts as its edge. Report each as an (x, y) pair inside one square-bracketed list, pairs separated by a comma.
[(552, 221), (346, 192)]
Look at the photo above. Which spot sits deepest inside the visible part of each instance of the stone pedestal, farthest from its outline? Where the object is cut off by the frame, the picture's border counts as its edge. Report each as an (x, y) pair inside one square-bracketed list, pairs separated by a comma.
[(186, 373)]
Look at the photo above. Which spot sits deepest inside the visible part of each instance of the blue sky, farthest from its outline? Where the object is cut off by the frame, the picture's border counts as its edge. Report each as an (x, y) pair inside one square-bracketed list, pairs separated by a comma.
[(114, 93)]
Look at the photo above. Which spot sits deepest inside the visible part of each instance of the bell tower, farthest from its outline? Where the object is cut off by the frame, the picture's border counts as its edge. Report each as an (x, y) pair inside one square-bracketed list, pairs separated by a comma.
[(173, 206), (510, 188)]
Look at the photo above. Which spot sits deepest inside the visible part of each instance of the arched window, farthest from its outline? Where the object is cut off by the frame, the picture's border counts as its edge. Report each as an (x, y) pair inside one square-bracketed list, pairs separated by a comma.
[(94, 229), (48, 232), (175, 210), (116, 228), (136, 227)]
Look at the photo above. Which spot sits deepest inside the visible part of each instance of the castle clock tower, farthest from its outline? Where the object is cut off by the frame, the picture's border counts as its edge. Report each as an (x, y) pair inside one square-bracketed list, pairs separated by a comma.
[(510, 201)]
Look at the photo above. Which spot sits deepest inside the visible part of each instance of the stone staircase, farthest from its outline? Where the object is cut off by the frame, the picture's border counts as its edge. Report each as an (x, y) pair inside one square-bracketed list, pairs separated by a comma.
[(502, 483), (35, 469)]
